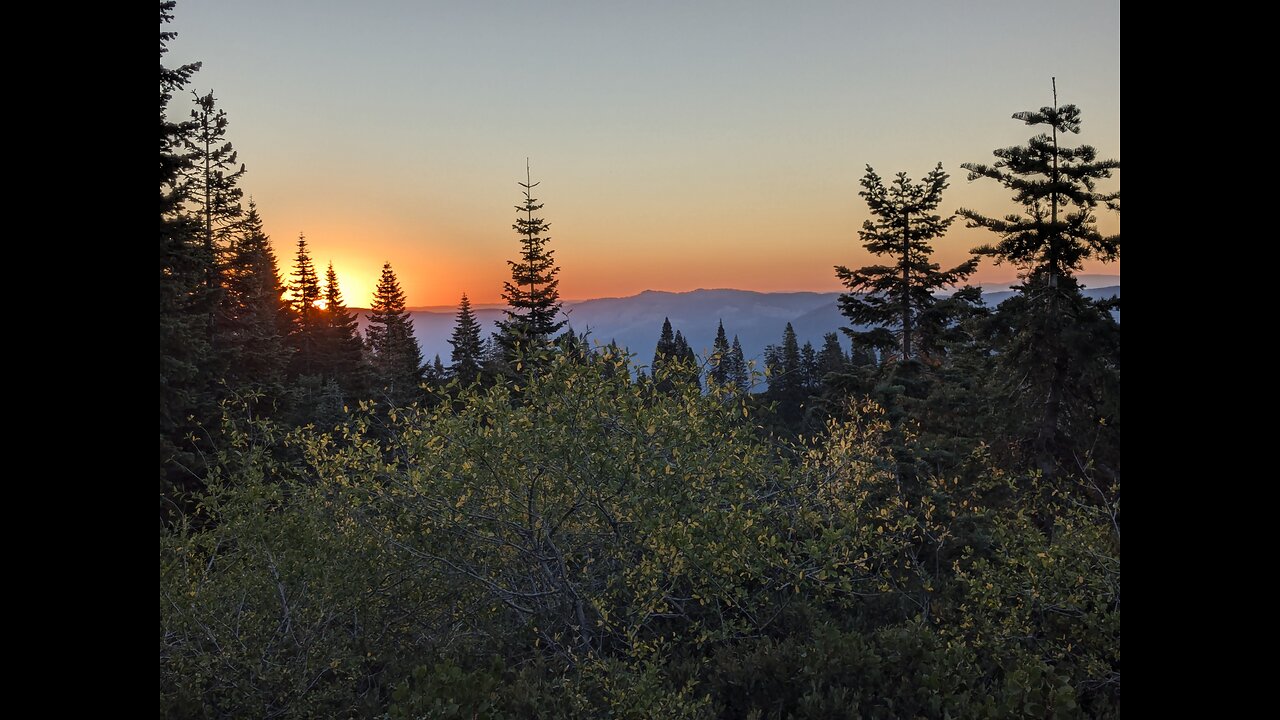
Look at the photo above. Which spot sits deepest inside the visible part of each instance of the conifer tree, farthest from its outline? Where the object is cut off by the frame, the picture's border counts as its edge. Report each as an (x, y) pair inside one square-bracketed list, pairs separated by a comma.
[(786, 376), (1062, 347), (831, 358), (791, 374), (184, 294), (213, 180), (809, 372), (435, 373), (739, 377), (467, 358), (688, 360), (532, 294), (341, 352), (394, 354), (254, 319), (892, 297), (309, 325), (666, 345), (1057, 187), (721, 362)]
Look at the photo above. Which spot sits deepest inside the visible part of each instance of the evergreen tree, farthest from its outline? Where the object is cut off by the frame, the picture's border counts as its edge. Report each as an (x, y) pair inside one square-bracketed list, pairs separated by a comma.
[(341, 352), (255, 319), (666, 345), (786, 378), (831, 358), (532, 294), (1062, 347), (309, 323), (435, 374), (721, 361), (1057, 187), (185, 299), (467, 358), (809, 372), (739, 377), (673, 359), (213, 180), (791, 374), (394, 354), (894, 296)]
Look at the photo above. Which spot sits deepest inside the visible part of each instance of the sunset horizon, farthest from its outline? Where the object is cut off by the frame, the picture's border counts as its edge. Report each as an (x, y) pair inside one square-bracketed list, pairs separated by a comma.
[(695, 148)]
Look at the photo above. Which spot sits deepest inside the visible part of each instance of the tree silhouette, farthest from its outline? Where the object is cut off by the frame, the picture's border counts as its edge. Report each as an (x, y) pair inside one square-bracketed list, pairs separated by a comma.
[(308, 330), (532, 294), (394, 354), (341, 352), (1062, 347), (467, 358), (893, 297), (254, 319)]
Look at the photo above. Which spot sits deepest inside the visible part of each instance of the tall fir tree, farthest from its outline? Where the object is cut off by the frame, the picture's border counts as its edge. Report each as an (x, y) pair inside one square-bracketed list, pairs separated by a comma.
[(254, 320), (185, 298), (666, 345), (739, 374), (831, 358), (894, 297), (809, 369), (394, 354), (786, 376), (1062, 347), (341, 352), (467, 358), (213, 181), (1057, 187), (721, 360), (309, 325), (532, 294)]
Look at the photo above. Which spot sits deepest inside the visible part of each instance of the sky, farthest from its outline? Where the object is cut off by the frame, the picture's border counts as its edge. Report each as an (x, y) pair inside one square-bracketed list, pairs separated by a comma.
[(678, 145)]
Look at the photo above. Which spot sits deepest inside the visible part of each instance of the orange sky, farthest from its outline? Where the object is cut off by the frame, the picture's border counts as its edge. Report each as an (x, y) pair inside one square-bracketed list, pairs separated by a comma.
[(679, 145)]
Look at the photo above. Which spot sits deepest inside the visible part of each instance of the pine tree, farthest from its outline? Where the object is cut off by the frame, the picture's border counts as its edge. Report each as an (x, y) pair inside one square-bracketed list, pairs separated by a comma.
[(254, 319), (831, 358), (894, 296), (666, 345), (340, 356), (394, 354), (532, 294), (213, 180), (673, 359), (721, 362), (739, 377), (435, 373), (786, 377), (809, 373), (688, 361), (791, 375), (309, 324), (1057, 187), (184, 296), (467, 358), (1062, 347)]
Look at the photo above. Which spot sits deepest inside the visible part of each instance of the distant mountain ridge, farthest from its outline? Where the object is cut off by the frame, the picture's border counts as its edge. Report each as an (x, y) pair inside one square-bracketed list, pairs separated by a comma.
[(757, 318)]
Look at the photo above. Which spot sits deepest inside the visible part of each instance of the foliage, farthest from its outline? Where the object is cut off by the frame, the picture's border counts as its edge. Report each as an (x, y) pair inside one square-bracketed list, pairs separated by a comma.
[(586, 545)]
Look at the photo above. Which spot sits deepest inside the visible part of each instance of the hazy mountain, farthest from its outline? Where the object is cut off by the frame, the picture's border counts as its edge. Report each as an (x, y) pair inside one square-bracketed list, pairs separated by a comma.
[(634, 322)]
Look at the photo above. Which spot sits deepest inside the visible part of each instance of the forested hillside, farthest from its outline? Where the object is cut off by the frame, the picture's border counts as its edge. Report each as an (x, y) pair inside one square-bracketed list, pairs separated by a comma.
[(913, 513)]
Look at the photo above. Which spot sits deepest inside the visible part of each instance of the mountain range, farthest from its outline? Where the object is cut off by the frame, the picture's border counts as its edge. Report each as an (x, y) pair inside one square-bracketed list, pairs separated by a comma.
[(634, 322)]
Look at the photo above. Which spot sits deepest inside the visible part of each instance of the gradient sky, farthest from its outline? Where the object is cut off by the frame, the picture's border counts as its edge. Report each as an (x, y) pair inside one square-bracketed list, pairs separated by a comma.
[(679, 145)]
